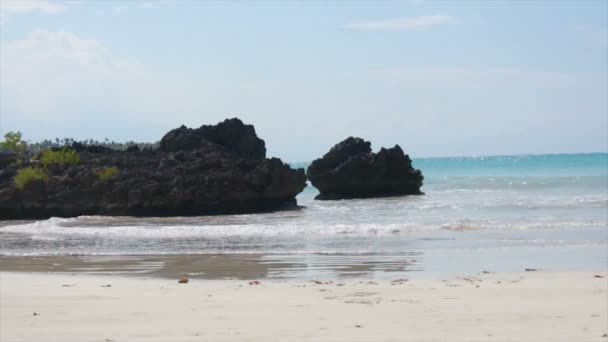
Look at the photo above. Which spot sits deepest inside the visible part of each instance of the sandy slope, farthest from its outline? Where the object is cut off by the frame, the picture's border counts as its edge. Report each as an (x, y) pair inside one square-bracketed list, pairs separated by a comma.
[(532, 306)]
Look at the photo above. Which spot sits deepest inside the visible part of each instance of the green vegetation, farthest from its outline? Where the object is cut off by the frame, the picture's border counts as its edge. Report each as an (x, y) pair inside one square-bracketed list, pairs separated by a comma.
[(61, 152), (27, 175), (106, 173), (117, 146), (62, 157), (13, 143)]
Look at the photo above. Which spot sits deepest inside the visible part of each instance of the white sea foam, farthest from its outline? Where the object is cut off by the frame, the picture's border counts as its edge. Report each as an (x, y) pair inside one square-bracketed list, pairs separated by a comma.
[(54, 228)]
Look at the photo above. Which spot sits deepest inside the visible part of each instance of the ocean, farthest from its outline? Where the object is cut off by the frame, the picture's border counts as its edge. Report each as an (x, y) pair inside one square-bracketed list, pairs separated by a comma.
[(501, 213)]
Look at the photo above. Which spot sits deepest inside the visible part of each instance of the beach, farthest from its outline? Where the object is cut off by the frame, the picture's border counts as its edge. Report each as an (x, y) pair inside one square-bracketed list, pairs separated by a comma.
[(447, 266), (320, 171), (527, 306)]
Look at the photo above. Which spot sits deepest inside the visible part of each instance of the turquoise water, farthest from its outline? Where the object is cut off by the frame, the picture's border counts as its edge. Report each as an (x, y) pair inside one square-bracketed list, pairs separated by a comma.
[(551, 171), (543, 205)]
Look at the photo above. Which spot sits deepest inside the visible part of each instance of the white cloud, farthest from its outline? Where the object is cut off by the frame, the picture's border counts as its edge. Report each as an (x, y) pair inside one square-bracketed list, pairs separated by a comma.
[(148, 4), (46, 68), (156, 3), (44, 45), (120, 9), (9, 8), (592, 35), (414, 2), (54, 76), (24, 6), (494, 110), (473, 79), (405, 23)]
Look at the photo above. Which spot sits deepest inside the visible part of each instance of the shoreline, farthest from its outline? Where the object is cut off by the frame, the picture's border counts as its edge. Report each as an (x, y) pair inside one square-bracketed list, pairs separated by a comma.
[(528, 306), (423, 263)]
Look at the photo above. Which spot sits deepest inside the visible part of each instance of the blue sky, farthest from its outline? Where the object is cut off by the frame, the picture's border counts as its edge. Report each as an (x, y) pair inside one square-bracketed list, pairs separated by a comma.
[(438, 78)]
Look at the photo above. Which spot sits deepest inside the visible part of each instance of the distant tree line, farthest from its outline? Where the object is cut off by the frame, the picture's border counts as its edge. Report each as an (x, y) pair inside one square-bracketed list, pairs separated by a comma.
[(37, 147), (32, 160)]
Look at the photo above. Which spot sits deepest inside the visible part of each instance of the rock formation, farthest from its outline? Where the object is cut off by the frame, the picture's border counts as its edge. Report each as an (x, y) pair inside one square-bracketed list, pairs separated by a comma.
[(351, 170), (219, 169)]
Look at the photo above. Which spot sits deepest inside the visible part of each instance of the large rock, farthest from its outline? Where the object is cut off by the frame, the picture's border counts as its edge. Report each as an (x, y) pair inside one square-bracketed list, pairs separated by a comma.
[(231, 133), (6, 159), (351, 170), (218, 169)]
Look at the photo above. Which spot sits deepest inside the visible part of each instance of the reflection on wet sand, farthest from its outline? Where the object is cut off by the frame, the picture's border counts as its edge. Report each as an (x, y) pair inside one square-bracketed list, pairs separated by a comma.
[(224, 266)]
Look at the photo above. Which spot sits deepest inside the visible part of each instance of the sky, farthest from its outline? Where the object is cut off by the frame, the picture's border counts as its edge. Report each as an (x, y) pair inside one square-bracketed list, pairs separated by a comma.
[(439, 78)]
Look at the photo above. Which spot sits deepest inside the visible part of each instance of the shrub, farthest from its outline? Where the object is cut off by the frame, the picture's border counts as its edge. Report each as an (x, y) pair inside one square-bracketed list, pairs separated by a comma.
[(107, 172), (13, 143), (27, 175), (62, 157)]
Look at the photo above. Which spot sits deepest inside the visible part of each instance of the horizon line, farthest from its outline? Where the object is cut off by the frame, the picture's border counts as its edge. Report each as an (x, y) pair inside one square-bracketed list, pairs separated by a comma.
[(489, 156)]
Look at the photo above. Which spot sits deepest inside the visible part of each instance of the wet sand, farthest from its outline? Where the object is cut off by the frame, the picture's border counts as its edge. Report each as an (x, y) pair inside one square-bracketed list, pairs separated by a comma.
[(295, 266), (528, 306), (223, 266)]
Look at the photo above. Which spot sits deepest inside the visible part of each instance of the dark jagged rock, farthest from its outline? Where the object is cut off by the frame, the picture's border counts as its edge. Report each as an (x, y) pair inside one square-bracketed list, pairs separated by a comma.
[(218, 169), (231, 133), (6, 159), (351, 170)]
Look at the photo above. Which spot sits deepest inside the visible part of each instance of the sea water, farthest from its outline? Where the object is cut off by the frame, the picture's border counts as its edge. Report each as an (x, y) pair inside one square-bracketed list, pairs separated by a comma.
[(497, 212)]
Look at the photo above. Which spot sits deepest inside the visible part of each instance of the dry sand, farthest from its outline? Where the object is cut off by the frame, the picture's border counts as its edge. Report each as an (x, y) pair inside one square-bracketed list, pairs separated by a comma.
[(531, 306)]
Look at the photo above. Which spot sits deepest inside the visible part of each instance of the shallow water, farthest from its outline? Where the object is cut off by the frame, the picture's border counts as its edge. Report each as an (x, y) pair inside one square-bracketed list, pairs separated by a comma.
[(497, 208)]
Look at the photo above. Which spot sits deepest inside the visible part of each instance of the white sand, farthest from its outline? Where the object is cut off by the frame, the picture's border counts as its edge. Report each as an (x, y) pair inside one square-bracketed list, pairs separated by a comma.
[(532, 306)]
